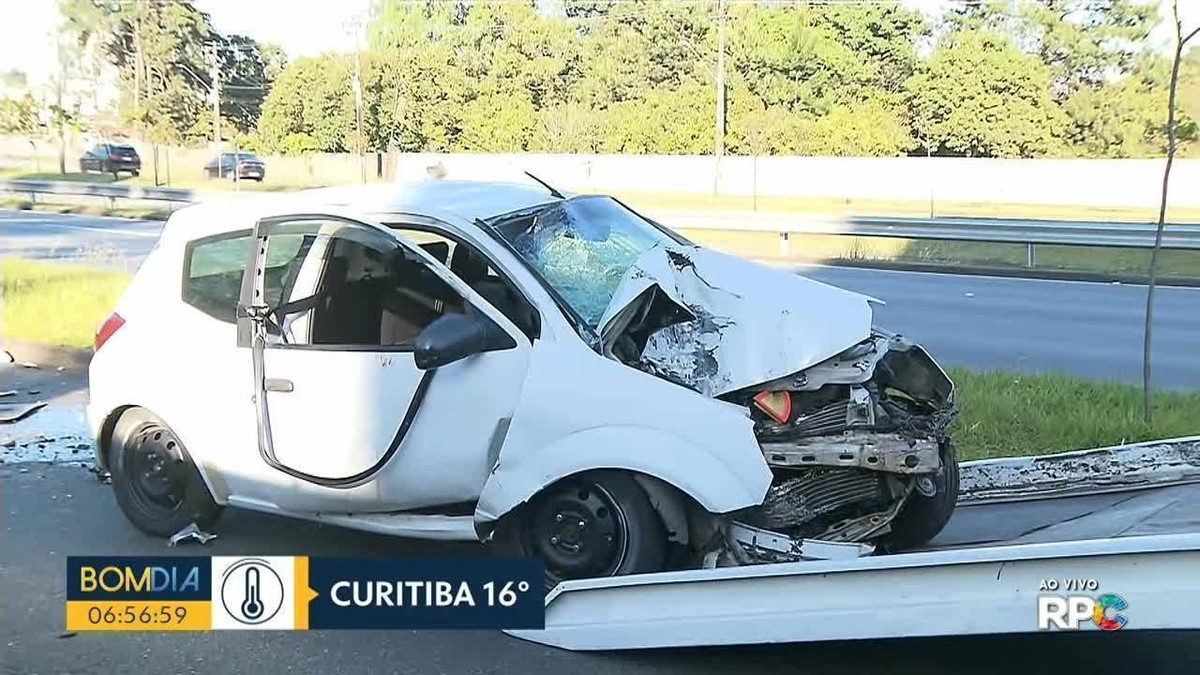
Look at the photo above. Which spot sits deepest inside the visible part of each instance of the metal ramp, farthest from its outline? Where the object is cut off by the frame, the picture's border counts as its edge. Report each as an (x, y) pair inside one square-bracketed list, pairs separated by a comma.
[(982, 575)]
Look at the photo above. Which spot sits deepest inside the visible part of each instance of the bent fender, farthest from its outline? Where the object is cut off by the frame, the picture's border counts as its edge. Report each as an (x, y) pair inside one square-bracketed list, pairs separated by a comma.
[(719, 483)]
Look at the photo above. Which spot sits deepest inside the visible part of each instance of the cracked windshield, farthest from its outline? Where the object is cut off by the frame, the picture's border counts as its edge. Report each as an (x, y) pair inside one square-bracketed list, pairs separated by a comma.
[(513, 330), (583, 247)]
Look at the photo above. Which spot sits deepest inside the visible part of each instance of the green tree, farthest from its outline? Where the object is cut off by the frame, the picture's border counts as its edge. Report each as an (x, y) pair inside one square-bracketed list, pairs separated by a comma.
[(980, 96), (311, 99), (20, 117)]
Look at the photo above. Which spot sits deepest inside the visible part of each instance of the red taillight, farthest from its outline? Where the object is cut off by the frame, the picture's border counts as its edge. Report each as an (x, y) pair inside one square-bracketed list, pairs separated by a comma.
[(108, 328), (114, 156)]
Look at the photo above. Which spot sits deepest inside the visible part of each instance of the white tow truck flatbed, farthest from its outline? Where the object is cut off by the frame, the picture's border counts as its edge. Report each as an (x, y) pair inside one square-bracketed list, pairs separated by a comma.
[(983, 574)]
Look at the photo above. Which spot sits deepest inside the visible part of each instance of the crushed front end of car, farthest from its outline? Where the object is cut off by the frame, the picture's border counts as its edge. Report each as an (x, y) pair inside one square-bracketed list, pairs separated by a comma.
[(858, 445), (851, 419)]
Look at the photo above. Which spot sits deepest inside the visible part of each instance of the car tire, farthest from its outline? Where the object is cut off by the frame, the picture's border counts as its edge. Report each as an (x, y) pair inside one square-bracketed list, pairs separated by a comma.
[(922, 518), (621, 534), (157, 486), (135, 174)]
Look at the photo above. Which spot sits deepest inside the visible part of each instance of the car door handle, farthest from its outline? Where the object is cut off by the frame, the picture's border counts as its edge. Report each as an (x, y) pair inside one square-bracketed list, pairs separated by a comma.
[(278, 384)]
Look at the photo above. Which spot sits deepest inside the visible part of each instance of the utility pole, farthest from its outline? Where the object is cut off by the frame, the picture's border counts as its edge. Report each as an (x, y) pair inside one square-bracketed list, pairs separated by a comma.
[(138, 66), (215, 91), (720, 126), (356, 25), (60, 113)]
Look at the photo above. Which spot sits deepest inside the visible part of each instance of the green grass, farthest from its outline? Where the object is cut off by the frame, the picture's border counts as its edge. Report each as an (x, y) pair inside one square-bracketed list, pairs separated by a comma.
[(54, 303), (1002, 414), (809, 249), (1005, 414), (94, 209), (911, 208)]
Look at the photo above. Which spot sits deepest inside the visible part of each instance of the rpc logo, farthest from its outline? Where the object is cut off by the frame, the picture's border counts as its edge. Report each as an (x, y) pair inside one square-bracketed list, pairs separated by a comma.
[(1069, 612)]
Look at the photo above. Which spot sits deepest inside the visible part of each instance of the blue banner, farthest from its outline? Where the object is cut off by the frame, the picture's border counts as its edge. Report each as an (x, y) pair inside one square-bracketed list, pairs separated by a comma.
[(423, 593)]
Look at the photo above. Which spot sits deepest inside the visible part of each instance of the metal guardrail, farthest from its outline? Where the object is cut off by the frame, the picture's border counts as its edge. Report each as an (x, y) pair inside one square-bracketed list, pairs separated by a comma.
[(1184, 236), (112, 191), (1179, 236)]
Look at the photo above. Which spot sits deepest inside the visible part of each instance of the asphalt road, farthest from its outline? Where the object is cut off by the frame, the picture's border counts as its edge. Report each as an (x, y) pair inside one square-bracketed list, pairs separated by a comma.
[(119, 243), (51, 512), (1081, 328)]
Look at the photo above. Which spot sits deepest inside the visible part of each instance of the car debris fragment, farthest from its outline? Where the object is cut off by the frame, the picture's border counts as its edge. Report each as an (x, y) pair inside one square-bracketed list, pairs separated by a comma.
[(190, 533), (15, 412)]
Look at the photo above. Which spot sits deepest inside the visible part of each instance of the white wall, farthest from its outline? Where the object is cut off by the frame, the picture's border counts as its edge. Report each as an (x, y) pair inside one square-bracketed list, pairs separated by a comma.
[(1132, 182)]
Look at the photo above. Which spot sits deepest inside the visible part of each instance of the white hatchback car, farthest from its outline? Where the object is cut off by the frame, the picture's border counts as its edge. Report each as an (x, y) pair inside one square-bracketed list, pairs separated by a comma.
[(501, 362)]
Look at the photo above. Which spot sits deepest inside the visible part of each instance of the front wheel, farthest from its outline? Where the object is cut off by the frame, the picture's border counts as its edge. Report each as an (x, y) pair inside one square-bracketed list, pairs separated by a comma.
[(157, 487), (596, 524), (922, 518)]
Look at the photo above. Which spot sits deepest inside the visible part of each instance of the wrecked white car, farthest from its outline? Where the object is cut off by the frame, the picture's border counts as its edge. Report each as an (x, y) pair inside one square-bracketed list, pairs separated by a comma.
[(555, 375)]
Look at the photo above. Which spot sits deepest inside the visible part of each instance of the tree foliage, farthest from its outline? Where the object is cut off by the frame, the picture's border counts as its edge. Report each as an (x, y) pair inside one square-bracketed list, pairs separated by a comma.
[(1002, 78), (163, 54)]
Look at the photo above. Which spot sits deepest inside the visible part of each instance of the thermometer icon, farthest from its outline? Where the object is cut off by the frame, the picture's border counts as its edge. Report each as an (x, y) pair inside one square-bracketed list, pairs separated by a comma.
[(252, 592), (252, 606)]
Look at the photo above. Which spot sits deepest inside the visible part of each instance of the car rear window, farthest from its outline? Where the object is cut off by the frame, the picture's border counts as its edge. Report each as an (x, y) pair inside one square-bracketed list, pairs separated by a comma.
[(214, 271), (214, 275), (123, 148)]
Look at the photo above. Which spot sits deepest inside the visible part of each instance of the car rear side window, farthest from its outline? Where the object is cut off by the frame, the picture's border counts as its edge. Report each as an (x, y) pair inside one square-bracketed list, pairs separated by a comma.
[(213, 277), (215, 267)]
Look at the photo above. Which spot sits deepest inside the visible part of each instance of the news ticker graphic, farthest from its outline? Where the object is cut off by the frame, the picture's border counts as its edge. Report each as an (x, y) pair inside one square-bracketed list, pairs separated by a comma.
[(303, 593)]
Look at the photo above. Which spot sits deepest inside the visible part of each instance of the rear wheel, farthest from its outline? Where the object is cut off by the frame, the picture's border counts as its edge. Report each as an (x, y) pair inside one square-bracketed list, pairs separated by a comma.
[(922, 518), (157, 487), (596, 524)]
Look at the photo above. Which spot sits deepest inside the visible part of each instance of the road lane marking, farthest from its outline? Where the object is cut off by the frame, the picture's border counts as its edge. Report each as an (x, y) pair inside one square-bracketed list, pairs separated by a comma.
[(100, 230)]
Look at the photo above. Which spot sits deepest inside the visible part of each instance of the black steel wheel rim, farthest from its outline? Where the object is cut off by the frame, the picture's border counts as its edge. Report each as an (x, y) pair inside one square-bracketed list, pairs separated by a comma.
[(580, 531), (156, 482)]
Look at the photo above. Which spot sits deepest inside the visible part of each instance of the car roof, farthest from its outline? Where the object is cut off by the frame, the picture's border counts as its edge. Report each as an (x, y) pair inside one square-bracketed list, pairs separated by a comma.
[(465, 199)]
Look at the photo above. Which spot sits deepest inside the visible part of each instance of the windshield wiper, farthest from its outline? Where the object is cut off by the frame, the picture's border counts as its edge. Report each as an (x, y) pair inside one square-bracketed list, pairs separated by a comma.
[(546, 185)]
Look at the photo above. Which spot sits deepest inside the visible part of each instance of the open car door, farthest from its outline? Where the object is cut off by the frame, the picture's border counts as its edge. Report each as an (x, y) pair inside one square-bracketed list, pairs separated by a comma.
[(382, 382)]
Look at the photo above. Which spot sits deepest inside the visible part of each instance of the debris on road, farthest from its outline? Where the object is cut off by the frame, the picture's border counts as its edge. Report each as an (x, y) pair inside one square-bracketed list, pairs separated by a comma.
[(190, 532), (6, 356), (10, 392), (14, 412), (30, 364)]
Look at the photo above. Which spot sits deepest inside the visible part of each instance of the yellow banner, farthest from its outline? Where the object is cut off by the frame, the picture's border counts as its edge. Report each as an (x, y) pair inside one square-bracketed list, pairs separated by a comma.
[(132, 615)]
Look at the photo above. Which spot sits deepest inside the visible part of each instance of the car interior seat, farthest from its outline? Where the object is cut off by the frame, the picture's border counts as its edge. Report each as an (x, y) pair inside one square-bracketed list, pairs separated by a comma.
[(473, 269)]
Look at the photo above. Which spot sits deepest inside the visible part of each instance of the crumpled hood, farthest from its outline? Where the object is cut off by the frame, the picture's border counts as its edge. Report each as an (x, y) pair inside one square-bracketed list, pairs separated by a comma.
[(744, 324)]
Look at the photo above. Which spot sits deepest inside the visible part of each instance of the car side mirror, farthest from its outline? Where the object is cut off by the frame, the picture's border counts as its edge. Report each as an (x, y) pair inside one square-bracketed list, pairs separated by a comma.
[(454, 337)]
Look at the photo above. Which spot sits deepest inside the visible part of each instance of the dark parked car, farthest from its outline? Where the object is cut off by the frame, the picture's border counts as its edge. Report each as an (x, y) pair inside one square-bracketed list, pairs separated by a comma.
[(111, 158), (236, 165)]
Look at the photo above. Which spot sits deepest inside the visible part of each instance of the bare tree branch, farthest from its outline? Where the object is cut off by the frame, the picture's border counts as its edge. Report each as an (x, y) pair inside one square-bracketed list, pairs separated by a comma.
[(1147, 334)]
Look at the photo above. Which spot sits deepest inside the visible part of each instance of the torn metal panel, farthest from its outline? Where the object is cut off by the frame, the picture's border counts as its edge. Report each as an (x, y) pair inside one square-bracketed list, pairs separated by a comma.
[(877, 451), (15, 412), (740, 324), (774, 547), (1087, 471), (190, 533)]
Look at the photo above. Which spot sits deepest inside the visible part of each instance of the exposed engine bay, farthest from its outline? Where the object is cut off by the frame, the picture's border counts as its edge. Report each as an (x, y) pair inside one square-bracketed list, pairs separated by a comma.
[(850, 439)]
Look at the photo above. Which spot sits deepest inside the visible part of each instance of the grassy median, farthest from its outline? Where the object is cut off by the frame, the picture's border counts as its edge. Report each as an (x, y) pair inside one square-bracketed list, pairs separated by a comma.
[(1006, 414), (1003, 414), (56, 304)]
